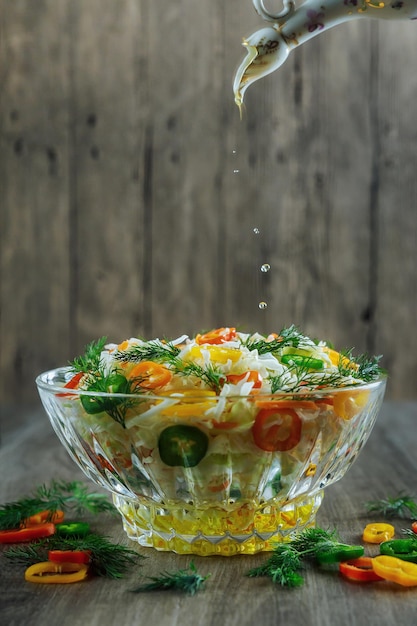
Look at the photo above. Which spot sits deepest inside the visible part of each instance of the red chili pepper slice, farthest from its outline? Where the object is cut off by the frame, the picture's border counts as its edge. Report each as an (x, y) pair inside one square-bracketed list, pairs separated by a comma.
[(277, 430), (359, 570), (71, 384), (27, 534), (216, 336), (70, 556), (252, 376)]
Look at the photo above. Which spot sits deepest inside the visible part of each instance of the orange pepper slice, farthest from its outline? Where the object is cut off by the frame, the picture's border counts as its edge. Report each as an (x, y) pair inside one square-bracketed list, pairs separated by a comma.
[(150, 375), (216, 336), (56, 517)]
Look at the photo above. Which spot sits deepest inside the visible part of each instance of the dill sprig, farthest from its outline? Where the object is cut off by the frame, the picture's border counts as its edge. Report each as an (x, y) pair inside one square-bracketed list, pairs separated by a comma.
[(282, 567), (113, 383), (290, 336), (403, 505), (210, 375), (66, 496), (368, 367), (108, 559), (186, 580), (151, 351), (89, 361), (299, 376), (287, 559)]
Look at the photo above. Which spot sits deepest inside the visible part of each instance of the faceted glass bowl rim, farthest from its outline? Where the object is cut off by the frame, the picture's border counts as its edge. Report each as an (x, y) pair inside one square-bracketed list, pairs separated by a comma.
[(43, 381)]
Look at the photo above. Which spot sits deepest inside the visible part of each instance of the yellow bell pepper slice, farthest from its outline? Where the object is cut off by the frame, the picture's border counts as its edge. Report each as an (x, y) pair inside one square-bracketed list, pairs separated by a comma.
[(337, 357), (217, 354), (189, 409), (396, 570), (48, 572), (378, 532), (347, 404)]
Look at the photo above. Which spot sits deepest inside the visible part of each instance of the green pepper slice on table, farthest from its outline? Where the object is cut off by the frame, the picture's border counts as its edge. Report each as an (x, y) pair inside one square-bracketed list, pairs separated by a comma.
[(73, 529), (404, 549), (182, 446), (339, 552)]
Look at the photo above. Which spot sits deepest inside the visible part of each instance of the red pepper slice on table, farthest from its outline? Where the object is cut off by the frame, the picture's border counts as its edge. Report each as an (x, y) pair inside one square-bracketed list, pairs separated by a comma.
[(56, 517), (359, 570), (70, 556), (30, 533), (48, 572), (396, 570), (276, 429), (378, 532)]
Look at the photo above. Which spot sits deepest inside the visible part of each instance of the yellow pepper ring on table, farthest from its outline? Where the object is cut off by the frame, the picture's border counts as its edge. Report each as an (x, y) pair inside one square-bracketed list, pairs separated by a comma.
[(48, 572), (378, 532), (395, 570)]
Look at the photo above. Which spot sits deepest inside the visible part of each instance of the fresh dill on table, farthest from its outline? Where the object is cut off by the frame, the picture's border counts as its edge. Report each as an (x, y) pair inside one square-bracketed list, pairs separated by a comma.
[(108, 559), (287, 559), (67, 496), (185, 580), (403, 505)]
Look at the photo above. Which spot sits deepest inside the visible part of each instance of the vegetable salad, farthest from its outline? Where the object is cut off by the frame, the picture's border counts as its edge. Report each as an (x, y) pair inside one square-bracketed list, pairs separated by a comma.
[(224, 416)]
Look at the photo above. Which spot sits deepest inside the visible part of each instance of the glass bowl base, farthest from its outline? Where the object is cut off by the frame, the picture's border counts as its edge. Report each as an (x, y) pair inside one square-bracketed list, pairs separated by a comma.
[(244, 528)]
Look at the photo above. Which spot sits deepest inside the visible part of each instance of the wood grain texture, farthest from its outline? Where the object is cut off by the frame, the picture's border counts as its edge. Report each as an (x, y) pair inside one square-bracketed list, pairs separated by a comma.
[(385, 467), (130, 189)]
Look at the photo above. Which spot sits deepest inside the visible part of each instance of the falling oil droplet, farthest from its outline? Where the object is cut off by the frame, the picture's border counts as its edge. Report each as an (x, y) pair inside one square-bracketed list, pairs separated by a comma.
[(262, 305), (256, 231), (265, 268)]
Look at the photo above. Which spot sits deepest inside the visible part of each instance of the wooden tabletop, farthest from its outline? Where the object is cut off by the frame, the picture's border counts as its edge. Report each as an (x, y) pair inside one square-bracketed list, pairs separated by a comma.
[(30, 454)]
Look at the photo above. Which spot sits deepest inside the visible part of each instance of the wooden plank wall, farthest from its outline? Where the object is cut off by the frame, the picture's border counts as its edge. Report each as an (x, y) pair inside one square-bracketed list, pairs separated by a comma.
[(130, 189)]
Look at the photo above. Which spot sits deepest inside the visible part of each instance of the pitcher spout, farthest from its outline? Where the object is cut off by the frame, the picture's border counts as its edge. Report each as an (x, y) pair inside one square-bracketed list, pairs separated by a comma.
[(266, 52), (268, 48)]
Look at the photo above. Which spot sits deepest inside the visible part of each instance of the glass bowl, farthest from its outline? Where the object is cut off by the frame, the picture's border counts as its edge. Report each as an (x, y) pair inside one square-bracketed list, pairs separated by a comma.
[(197, 474)]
